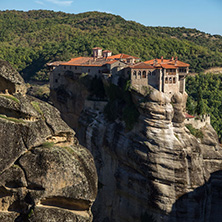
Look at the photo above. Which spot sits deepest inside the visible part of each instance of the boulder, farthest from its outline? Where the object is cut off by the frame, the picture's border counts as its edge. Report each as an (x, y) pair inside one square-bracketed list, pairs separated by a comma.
[(45, 174)]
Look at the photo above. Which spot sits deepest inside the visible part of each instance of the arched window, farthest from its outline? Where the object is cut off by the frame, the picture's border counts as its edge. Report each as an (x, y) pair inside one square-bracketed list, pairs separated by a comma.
[(144, 74), (170, 80), (134, 73), (166, 80), (139, 74), (174, 79)]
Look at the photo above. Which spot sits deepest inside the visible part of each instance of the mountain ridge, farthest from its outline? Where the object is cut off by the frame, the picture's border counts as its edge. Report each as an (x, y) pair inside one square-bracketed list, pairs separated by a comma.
[(31, 39)]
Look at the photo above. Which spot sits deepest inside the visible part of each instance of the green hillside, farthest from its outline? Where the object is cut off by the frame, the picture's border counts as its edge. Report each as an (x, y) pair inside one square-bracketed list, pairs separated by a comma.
[(205, 96), (31, 39)]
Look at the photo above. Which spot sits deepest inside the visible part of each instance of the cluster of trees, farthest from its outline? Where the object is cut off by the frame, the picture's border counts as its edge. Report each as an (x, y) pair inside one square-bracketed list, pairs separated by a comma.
[(31, 39), (205, 96)]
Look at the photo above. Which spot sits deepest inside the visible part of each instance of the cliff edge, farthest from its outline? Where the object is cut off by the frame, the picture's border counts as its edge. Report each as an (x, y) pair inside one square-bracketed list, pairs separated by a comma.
[(45, 174), (147, 174), (158, 170)]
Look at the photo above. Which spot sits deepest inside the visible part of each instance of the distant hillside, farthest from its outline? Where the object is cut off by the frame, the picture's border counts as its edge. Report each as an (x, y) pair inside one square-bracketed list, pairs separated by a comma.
[(30, 39)]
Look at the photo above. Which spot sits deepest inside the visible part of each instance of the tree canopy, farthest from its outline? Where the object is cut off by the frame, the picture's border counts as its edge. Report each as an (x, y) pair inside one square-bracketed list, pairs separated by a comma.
[(205, 96), (31, 39)]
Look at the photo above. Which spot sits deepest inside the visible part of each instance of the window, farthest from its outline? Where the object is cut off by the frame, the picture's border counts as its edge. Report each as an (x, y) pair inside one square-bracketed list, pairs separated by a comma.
[(64, 67), (70, 67), (183, 70), (149, 73), (75, 67), (170, 80), (144, 74), (174, 79), (134, 73), (88, 70), (166, 80)]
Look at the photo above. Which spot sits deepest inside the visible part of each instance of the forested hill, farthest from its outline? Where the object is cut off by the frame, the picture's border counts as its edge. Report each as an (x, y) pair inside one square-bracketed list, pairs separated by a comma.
[(31, 39)]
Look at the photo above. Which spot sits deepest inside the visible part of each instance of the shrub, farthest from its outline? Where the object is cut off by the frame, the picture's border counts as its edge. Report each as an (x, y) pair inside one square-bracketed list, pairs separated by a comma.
[(48, 144), (196, 132), (11, 97)]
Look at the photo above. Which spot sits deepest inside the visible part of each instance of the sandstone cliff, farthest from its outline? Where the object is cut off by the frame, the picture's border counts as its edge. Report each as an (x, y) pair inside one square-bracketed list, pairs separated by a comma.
[(45, 175), (158, 171)]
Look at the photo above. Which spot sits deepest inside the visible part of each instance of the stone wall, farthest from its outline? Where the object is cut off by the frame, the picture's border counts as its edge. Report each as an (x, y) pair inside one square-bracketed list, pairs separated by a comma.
[(198, 123), (170, 82)]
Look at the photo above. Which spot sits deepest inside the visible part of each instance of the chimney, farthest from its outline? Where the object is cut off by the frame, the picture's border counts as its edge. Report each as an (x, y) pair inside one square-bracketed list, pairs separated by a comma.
[(155, 62), (161, 59), (172, 58), (97, 52), (107, 53)]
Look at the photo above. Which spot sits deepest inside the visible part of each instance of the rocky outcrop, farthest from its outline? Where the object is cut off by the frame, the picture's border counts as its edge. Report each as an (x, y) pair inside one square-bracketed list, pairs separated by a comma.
[(10, 80), (45, 174), (155, 171), (158, 171)]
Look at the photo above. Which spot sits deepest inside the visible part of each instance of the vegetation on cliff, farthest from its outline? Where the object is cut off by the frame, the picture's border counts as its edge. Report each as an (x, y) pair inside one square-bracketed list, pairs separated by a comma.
[(120, 104), (30, 39), (205, 96)]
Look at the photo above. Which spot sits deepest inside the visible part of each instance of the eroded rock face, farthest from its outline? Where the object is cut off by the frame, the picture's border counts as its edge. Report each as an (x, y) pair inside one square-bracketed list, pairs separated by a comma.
[(45, 175), (10, 80), (157, 172)]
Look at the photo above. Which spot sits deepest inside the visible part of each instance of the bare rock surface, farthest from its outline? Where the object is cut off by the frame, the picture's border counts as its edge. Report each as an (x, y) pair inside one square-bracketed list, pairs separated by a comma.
[(158, 171), (45, 174)]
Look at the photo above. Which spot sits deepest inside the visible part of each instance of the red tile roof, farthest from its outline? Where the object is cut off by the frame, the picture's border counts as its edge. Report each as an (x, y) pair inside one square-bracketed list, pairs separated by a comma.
[(166, 66), (122, 56), (111, 61), (142, 65), (79, 61), (161, 62), (88, 61), (188, 116)]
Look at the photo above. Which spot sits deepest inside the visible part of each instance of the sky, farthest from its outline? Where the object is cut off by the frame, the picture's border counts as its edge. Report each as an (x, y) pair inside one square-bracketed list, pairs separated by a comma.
[(204, 15)]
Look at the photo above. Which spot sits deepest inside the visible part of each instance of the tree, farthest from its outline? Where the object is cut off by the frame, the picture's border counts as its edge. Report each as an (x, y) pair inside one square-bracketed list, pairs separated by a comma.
[(200, 102)]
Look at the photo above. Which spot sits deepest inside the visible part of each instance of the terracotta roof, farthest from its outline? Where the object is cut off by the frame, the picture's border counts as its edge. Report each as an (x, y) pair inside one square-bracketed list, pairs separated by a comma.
[(88, 61), (97, 48), (122, 56), (175, 63), (188, 116), (166, 66), (107, 51), (142, 65), (111, 61), (78, 61)]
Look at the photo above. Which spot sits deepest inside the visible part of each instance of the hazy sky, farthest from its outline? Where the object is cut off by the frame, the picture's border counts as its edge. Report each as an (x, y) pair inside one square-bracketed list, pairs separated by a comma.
[(204, 15)]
